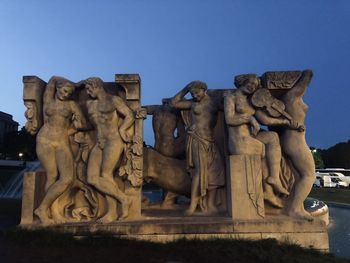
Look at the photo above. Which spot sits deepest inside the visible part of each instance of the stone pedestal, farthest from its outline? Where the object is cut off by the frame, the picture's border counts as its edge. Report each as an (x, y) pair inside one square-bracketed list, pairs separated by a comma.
[(33, 193), (245, 192), (132, 86), (166, 229)]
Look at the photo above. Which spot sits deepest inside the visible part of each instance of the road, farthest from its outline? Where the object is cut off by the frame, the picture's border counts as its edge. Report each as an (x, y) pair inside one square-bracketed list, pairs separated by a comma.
[(339, 231)]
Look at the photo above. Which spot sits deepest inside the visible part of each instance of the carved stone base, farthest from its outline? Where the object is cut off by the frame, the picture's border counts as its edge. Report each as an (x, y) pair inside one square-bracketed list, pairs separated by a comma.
[(245, 195), (34, 192), (169, 228)]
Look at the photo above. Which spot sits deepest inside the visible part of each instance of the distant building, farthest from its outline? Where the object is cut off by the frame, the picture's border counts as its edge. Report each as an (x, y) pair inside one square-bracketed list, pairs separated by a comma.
[(7, 124)]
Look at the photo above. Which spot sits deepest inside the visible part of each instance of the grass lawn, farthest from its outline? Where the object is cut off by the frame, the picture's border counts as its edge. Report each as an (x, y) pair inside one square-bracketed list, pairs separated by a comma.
[(44, 246), (338, 195)]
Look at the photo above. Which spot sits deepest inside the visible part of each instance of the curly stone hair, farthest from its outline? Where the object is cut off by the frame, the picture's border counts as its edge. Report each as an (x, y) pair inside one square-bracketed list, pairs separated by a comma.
[(197, 84), (240, 80), (94, 82)]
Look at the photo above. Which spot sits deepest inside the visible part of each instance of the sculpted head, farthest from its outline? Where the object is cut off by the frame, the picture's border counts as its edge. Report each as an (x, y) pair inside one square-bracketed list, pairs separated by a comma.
[(198, 90), (64, 89), (93, 86), (247, 83)]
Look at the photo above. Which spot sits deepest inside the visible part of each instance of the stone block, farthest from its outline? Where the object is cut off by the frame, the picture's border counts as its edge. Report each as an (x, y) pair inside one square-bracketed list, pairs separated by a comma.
[(245, 192)]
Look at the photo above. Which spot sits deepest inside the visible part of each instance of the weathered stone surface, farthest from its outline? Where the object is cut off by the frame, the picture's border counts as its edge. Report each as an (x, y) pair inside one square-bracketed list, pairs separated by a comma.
[(88, 133), (246, 196), (210, 147), (166, 229)]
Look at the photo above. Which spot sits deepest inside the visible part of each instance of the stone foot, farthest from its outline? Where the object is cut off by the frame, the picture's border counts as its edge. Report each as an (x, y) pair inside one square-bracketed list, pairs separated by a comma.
[(276, 185), (107, 218), (190, 211), (301, 215), (43, 216), (211, 211)]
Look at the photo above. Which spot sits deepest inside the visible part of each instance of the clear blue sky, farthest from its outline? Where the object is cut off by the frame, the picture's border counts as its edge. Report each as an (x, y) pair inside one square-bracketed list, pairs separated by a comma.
[(170, 43)]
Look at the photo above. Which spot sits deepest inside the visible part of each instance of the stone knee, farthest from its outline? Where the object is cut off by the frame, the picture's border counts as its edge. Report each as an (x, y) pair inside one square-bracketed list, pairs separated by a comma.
[(274, 140), (66, 181)]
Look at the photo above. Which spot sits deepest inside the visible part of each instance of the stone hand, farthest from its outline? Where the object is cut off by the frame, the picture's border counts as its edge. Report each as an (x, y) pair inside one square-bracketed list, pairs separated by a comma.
[(301, 128), (255, 127), (296, 126), (101, 143), (124, 136)]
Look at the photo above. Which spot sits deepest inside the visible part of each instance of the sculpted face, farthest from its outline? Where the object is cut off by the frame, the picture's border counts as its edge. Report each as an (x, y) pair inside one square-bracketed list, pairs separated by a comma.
[(91, 91), (250, 86), (197, 94), (64, 92)]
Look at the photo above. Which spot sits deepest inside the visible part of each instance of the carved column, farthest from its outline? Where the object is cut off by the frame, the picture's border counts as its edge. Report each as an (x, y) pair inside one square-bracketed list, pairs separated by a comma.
[(133, 186), (33, 90)]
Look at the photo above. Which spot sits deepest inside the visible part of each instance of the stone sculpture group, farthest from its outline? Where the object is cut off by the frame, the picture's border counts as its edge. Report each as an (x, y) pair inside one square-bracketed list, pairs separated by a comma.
[(236, 153)]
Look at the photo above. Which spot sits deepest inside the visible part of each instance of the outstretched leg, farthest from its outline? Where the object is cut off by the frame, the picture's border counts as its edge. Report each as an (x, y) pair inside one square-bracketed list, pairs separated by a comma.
[(47, 158), (194, 194), (195, 172), (104, 182), (65, 166), (273, 158), (212, 209), (111, 157), (302, 160)]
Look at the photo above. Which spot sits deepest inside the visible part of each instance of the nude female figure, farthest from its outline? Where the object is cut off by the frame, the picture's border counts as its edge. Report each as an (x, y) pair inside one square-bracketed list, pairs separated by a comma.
[(62, 118), (244, 130), (203, 157), (296, 149), (104, 112)]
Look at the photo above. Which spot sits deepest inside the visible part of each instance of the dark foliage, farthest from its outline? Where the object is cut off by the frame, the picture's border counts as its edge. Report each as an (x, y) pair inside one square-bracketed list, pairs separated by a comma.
[(19, 142), (337, 155)]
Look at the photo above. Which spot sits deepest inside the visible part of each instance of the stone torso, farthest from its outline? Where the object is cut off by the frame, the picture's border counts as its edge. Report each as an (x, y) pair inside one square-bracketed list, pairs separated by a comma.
[(102, 113), (204, 117), (57, 116)]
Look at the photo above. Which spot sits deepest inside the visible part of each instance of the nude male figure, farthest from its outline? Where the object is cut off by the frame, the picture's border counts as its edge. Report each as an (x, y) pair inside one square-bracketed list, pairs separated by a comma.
[(104, 112)]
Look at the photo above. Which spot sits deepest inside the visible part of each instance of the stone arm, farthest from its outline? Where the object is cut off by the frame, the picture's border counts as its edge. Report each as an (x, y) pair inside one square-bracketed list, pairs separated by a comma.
[(267, 120), (300, 87), (93, 117), (78, 118), (49, 93), (179, 102), (128, 114), (231, 117), (151, 109)]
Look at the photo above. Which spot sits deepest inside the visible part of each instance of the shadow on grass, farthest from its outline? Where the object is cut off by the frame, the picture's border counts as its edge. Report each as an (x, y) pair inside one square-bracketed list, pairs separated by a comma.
[(46, 246)]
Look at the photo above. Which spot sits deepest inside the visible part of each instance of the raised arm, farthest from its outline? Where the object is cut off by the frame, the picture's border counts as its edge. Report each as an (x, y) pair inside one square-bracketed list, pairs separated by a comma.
[(179, 102), (231, 117), (300, 87), (49, 93)]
